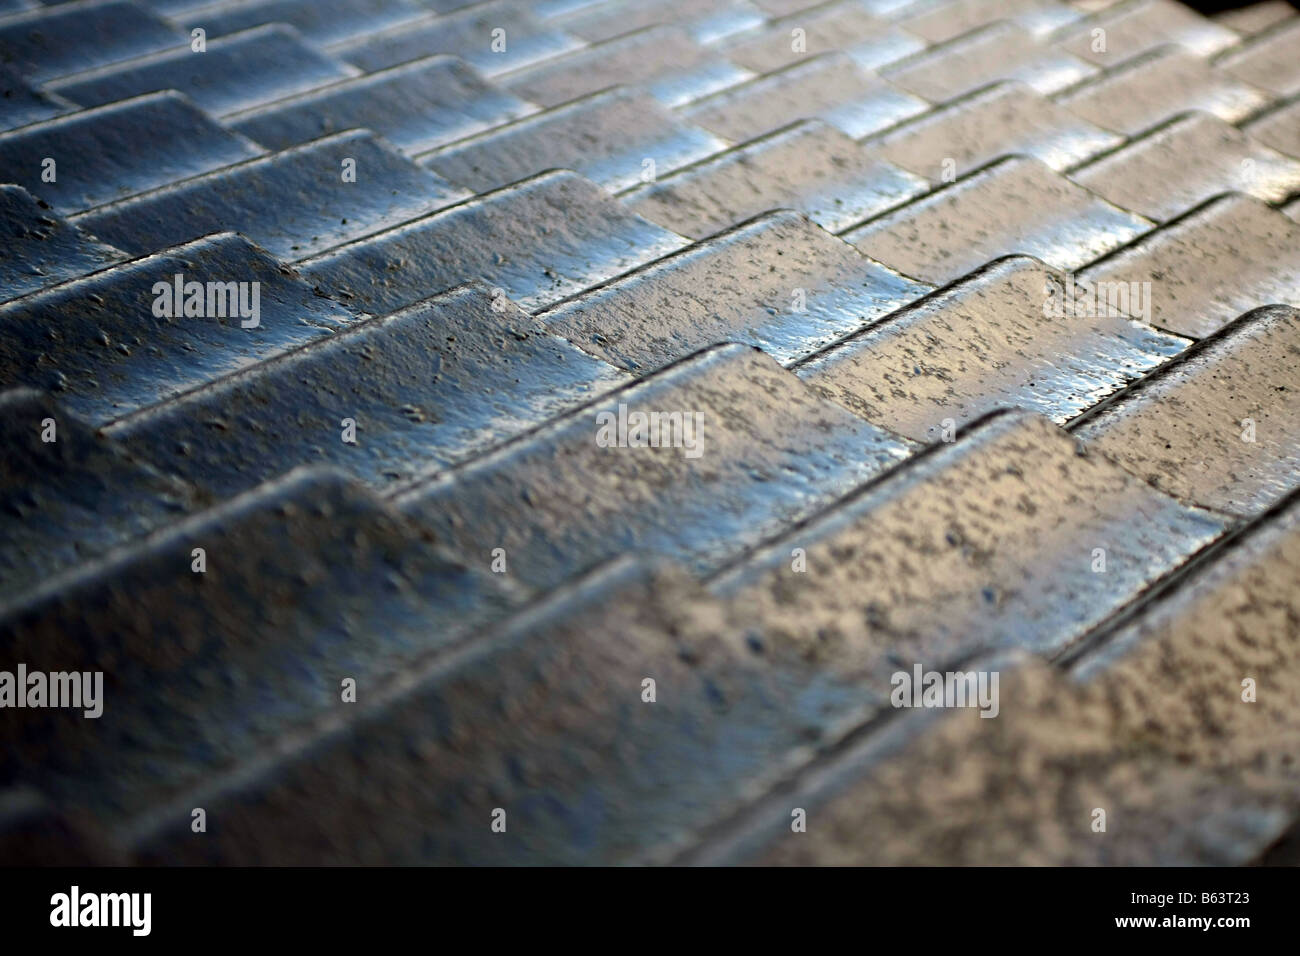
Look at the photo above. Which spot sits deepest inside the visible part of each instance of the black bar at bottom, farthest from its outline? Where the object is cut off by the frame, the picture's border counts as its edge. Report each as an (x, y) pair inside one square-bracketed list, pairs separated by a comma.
[(333, 906)]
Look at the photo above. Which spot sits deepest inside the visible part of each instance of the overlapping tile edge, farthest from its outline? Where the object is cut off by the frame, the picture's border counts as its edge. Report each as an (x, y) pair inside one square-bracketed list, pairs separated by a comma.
[(817, 520)]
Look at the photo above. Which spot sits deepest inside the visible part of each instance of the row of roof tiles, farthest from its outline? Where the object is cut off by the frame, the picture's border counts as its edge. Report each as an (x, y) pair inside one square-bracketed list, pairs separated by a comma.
[(885, 325)]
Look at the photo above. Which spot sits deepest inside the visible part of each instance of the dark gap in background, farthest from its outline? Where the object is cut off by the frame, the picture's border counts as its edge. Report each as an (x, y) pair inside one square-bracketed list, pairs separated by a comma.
[(1209, 7)]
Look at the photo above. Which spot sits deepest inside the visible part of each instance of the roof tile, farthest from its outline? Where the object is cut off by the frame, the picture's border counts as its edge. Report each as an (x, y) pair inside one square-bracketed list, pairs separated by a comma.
[(1215, 426), (616, 138), (1016, 205), (811, 167), (538, 241), (996, 121), (830, 87), (1203, 269), (1004, 337), (1186, 161), (779, 282)]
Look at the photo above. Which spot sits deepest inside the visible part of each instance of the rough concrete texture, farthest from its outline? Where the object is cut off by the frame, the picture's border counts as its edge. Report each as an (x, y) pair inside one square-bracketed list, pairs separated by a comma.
[(1149, 726), (1022, 789)]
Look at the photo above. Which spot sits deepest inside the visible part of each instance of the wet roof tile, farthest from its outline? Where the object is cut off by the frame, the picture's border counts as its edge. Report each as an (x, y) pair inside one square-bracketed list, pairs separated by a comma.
[(811, 167), (1267, 59), (983, 543), (49, 42), (195, 143), (844, 27), (1169, 677), (830, 87), (76, 497), (1016, 205), (105, 345), (144, 603), (558, 501), (574, 654), (1203, 270), (1128, 29), (1215, 426), (1278, 128), (1153, 87), (617, 138), (41, 248), (537, 241), (707, 20), (943, 21), (315, 207), (481, 259), (1186, 161), (1256, 17), (1012, 335), (998, 51), (664, 61), (998, 120), (234, 73), (21, 104), (416, 105), (779, 282), (426, 386), (322, 21), (492, 37)]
